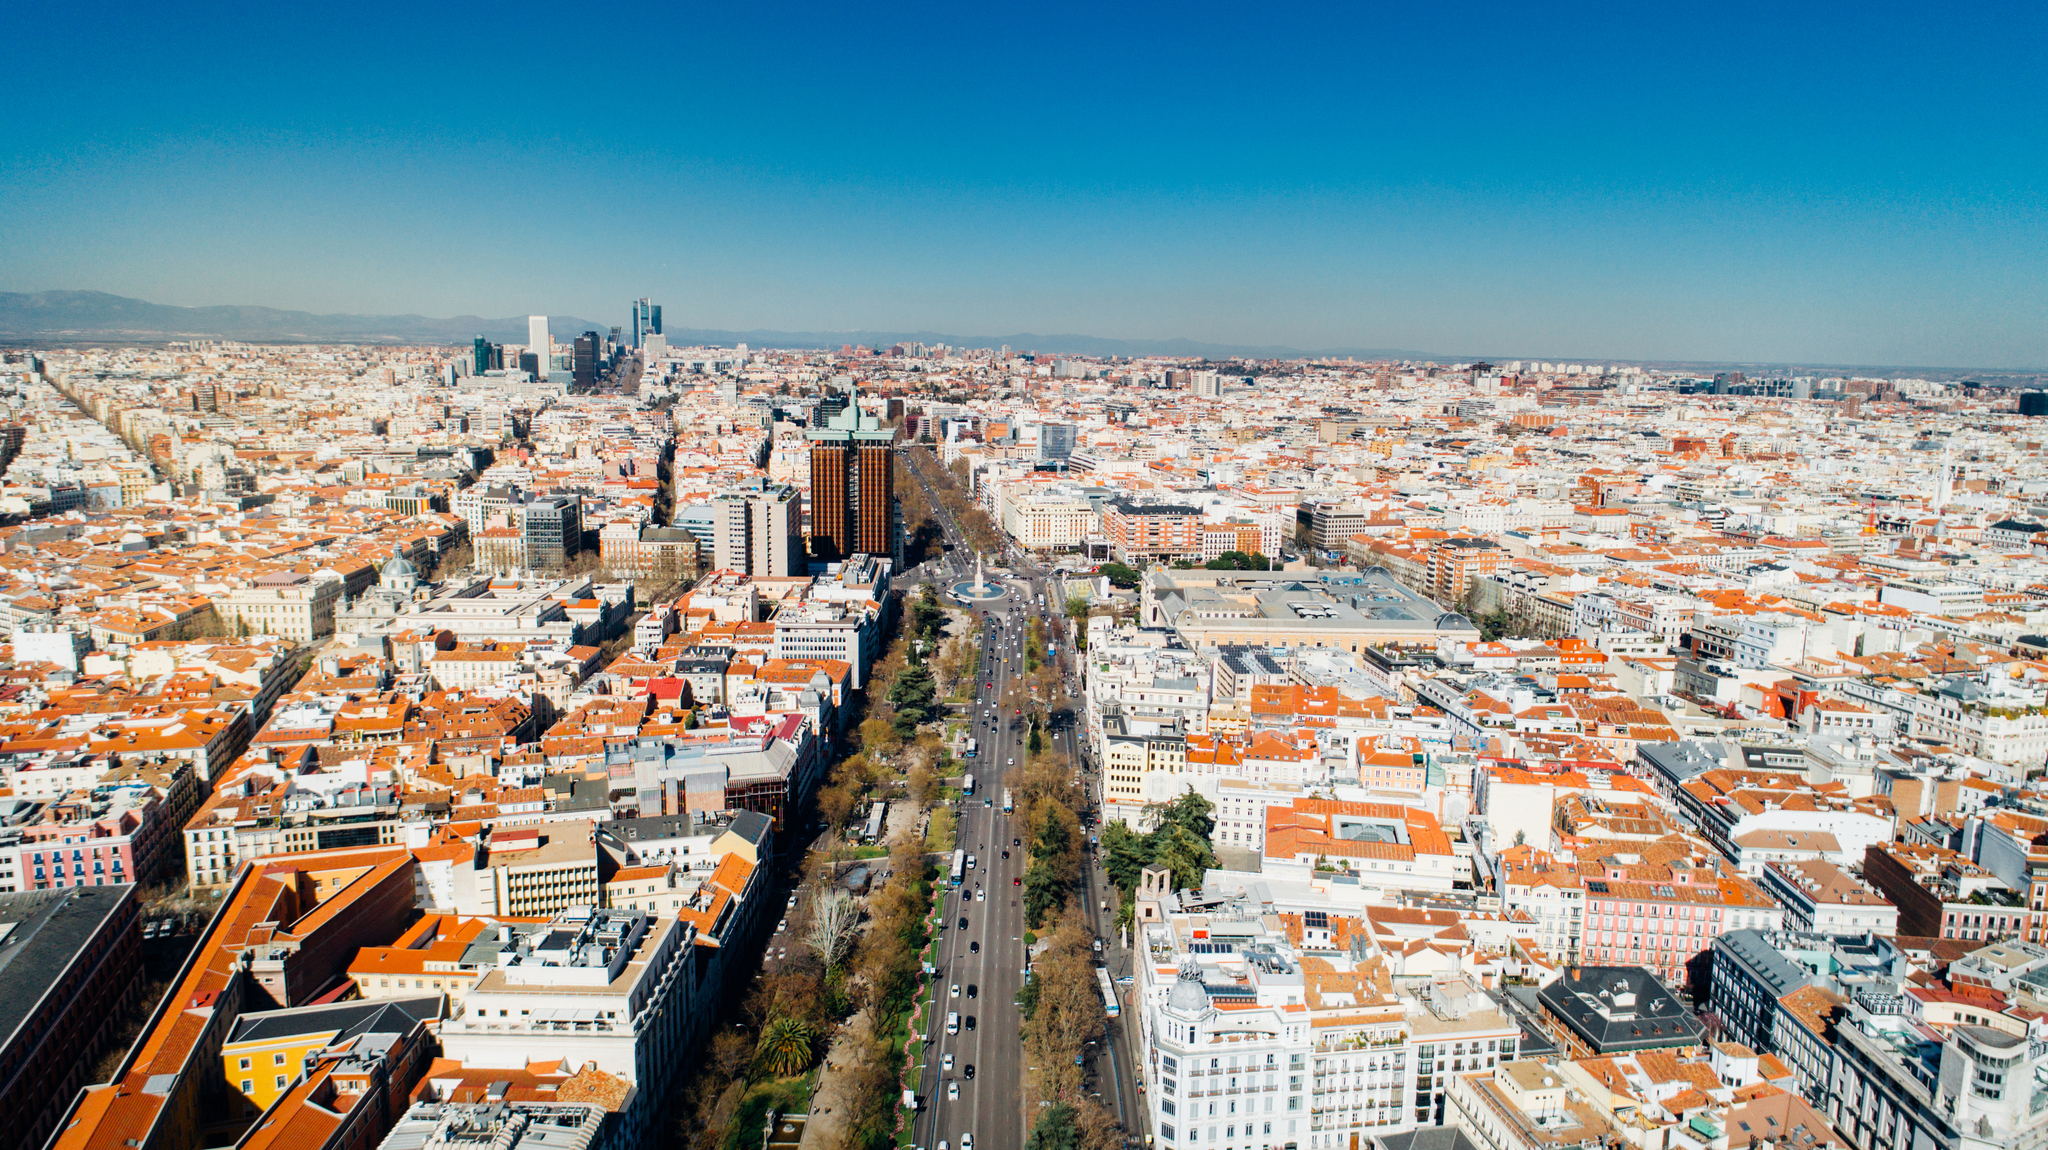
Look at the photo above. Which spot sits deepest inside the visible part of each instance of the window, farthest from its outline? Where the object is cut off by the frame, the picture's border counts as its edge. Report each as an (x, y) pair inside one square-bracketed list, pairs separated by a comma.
[(248, 1087), (277, 1060), (245, 1064)]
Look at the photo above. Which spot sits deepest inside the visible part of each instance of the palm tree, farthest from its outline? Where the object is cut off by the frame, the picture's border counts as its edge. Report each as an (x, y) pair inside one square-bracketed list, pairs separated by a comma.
[(785, 1049)]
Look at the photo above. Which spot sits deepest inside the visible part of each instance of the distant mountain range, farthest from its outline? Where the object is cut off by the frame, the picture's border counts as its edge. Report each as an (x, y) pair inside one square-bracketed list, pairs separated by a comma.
[(71, 316)]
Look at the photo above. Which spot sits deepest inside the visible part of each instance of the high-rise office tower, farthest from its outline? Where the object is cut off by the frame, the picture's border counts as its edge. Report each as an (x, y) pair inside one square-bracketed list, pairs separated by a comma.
[(538, 342), (484, 355), (853, 485), (757, 529), (646, 321), (584, 369)]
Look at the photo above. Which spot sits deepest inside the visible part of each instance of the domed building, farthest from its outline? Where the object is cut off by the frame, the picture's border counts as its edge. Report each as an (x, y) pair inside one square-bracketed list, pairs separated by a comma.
[(399, 576), (398, 584)]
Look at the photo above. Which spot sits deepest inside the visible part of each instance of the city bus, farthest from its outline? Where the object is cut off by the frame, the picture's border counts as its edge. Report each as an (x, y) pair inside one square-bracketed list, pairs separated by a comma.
[(967, 785), (973, 748), (959, 866), (1109, 1005), (1007, 807)]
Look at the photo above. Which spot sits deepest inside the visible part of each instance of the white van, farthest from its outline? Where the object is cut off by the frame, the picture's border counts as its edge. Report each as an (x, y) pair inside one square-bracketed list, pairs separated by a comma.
[(952, 1022)]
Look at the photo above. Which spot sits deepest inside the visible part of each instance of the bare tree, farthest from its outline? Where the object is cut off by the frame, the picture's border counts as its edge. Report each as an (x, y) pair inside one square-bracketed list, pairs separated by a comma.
[(835, 924)]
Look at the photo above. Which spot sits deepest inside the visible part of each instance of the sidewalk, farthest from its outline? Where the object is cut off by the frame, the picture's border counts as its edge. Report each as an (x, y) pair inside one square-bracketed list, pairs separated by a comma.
[(826, 1129)]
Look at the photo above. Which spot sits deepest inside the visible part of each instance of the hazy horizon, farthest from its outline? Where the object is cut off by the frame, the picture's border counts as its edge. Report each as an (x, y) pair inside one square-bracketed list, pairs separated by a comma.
[(1849, 186)]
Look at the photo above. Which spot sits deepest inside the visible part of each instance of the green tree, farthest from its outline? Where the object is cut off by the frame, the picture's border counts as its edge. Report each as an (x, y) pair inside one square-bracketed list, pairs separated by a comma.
[(1180, 851), (913, 693), (927, 615), (1189, 811), (1044, 894), (1077, 606), (1037, 743), (1125, 854), (1054, 839), (786, 1045), (1057, 1129), (1120, 575)]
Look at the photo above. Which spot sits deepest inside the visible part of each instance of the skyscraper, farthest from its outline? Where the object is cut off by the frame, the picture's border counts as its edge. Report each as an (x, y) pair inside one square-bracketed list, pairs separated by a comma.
[(646, 321), (538, 343), (853, 486), (484, 354)]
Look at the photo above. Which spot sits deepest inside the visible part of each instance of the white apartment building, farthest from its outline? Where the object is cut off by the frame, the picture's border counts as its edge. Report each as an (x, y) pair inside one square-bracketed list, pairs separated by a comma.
[(1042, 521), (1142, 762), (2005, 727), (1755, 642), (469, 669), (594, 986), (1821, 898), (1249, 1050), (820, 629)]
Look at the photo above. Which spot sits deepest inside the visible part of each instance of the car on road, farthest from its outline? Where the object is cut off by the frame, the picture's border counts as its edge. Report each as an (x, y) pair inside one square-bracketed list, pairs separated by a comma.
[(970, 1022), (969, 1071), (956, 991), (967, 1142), (952, 1092), (1006, 854), (963, 922), (953, 1022), (981, 896), (973, 991), (973, 948), (1016, 842), (1016, 882), (946, 1064), (781, 926)]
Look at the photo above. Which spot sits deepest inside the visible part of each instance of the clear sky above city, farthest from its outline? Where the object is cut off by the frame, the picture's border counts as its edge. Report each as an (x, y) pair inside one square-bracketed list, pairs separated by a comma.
[(1854, 183)]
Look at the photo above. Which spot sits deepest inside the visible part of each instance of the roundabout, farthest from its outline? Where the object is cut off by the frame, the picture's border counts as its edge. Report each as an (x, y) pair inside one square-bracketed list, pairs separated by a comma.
[(973, 592), (979, 589)]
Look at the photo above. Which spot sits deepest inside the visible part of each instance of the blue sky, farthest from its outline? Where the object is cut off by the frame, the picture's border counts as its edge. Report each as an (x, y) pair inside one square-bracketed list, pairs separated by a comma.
[(1854, 183)]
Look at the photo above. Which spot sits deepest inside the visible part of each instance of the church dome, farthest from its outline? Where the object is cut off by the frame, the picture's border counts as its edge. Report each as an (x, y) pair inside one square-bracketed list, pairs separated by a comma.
[(399, 575), (1187, 995)]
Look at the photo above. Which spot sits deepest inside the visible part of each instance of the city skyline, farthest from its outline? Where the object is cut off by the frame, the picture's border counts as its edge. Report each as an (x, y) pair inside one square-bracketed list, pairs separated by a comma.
[(1705, 187), (27, 320)]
